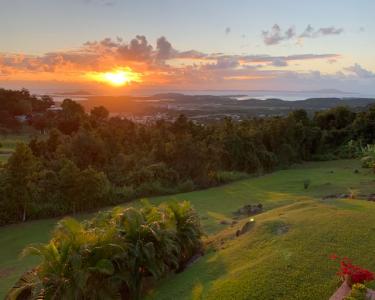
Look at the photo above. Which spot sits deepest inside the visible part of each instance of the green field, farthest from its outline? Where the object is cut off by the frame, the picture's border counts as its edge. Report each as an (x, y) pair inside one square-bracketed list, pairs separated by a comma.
[(284, 256)]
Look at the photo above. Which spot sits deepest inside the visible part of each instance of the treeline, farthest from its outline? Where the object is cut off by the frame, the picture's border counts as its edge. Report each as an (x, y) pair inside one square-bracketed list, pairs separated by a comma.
[(89, 161), (14, 103)]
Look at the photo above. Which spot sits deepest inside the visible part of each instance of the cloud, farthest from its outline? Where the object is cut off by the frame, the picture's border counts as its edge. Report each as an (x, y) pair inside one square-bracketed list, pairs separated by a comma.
[(224, 63), (276, 35), (283, 60), (162, 64), (164, 49), (279, 62), (101, 2), (359, 71), (227, 30), (310, 32), (137, 50)]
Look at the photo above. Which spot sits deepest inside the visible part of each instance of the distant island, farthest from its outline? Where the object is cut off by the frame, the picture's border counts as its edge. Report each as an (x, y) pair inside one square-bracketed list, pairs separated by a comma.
[(75, 93)]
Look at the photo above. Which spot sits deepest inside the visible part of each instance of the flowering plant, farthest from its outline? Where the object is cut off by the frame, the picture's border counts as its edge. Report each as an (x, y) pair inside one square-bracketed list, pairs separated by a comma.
[(355, 273)]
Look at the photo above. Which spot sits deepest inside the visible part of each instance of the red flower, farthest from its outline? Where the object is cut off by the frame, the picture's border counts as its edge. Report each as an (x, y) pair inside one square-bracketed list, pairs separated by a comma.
[(356, 273), (333, 256)]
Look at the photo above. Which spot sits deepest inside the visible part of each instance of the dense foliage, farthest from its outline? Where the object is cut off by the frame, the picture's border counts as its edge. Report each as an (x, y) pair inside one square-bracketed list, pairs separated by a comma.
[(87, 161), (20, 103), (109, 256)]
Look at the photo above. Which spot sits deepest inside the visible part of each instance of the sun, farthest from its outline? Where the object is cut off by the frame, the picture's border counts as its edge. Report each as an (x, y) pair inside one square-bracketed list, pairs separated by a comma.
[(117, 77)]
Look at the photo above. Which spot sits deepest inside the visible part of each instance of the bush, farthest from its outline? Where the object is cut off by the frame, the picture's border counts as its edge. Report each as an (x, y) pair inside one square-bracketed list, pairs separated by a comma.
[(358, 292), (154, 188), (229, 176), (368, 156), (186, 186), (122, 194), (111, 254), (350, 150), (367, 162)]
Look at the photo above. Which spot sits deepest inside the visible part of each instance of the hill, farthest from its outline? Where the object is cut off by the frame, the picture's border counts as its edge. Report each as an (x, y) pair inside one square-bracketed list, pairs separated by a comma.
[(284, 256), (209, 107)]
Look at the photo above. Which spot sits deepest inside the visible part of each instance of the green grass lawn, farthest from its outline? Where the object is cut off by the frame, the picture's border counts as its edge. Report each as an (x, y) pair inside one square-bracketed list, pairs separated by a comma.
[(265, 263)]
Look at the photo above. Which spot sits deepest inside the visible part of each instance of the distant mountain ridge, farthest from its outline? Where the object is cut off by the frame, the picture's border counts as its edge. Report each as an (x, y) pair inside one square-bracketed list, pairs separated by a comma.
[(319, 102), (215, 107)]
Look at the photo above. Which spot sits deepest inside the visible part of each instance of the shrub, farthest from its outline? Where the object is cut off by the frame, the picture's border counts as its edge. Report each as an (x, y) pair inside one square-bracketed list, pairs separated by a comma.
[(108, 256), (153, 188), (229, 176), (186, 186), (351, 149), (368, 156), (359, 292), (306, 183), (121, 194)]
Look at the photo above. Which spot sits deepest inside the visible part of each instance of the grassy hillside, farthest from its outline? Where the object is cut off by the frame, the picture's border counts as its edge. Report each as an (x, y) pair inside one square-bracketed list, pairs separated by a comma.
[(284, 256)]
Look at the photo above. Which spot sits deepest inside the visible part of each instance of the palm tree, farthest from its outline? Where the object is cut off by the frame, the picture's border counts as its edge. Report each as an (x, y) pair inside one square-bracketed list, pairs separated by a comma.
[(108, 256), (74, 264), (189, 230), (151, 248)]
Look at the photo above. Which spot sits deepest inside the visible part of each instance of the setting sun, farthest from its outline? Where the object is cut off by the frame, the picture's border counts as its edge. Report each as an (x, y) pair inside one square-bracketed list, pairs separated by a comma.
[(118, 77)]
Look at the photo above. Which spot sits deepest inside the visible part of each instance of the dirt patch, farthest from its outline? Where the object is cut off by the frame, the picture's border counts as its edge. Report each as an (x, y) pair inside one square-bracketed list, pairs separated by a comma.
[(282, 229), (245, 228), (276, 227), (369, 197), (249, 210), (336, 196)]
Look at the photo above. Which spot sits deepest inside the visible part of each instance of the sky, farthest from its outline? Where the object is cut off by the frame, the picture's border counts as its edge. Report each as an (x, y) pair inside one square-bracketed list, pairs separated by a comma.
[(124, 46)]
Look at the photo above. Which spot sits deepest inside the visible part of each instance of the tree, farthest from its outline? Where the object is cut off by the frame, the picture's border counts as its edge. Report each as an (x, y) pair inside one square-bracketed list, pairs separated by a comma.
[(334, 118), (99, 113), (20, 172), (88, 149), (42, 104), (92, 189), (68, 185), (71, 116), (71, 108), (300, 115)]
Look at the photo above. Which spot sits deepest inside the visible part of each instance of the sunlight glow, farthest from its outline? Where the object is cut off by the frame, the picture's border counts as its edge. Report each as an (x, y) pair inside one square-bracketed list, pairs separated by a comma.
[(117, 77)]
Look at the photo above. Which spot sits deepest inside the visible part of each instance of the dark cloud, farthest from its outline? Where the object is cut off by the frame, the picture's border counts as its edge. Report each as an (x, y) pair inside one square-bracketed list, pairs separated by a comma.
[(137, 50), (359, 71), (228, 30), (164, 49)]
